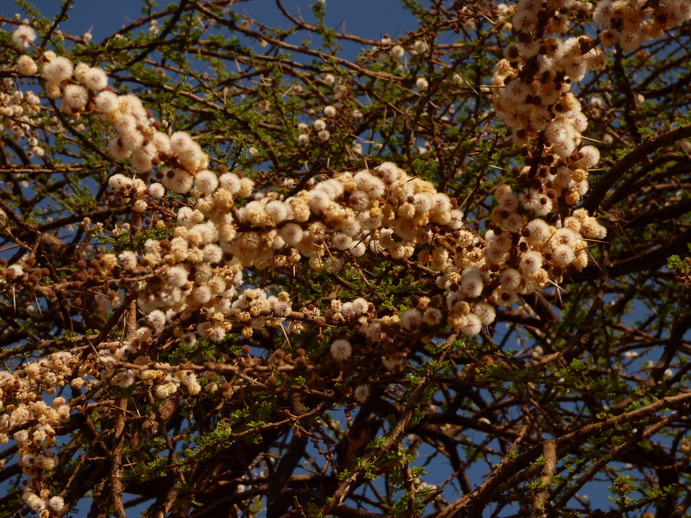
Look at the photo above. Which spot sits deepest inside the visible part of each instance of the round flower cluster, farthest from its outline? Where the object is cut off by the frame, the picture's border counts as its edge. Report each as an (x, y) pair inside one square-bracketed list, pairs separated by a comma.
[(628, 24), (23, 37), (171, 383), (26, 66), (341, 349)]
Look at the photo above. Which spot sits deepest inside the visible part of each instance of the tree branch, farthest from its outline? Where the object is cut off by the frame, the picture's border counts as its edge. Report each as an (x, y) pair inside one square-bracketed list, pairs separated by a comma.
[(599, 190), (472, 504)]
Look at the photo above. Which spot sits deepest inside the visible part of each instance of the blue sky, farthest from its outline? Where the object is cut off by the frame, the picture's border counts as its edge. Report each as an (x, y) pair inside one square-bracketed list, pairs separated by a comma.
[(367, 18)]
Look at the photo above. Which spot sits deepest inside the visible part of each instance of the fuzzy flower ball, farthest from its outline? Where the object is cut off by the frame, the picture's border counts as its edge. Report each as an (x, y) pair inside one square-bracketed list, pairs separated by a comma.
[(206, 181), (26, 66), (128, 260), (177, 276), (75, 97), (319, 125), (397, 52), (58, 70), (341, 350), (23, 36), (157, 319), (95, 79), (157, 190)]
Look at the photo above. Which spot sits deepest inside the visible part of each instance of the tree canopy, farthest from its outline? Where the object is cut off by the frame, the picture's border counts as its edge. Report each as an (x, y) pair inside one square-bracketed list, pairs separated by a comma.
[(253, 269)]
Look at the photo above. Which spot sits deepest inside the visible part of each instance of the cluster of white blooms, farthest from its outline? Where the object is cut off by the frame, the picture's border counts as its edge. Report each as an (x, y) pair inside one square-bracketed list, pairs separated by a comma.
[(85, 89), (31, 422), (396, 50), (136, 189), (532, 83), (171, 383), (18, 109), (334, 117), (384, 211), (215, 240), (532, 97), (629, 23)]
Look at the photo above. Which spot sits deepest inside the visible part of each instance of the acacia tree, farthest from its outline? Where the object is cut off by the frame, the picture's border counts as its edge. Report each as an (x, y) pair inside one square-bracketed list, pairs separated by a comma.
[(242, 275)]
